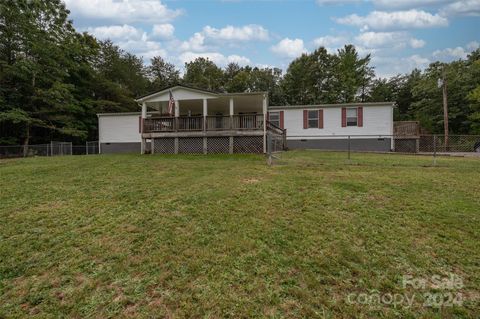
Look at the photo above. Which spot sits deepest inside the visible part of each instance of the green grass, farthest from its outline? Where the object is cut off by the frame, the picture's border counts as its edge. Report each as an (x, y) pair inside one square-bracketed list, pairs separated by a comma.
[(228, 236)]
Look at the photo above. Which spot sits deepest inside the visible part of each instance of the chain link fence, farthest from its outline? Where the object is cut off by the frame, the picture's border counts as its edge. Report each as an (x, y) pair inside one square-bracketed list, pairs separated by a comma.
[(54, 148), (430, 145)]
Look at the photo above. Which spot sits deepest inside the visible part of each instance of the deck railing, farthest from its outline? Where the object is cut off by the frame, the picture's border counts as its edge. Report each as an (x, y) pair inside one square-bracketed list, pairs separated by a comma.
[(200, 123)]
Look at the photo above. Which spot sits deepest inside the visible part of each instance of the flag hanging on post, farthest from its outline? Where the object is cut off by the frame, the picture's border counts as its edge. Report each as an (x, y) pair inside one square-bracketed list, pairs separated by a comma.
[(171, 104)]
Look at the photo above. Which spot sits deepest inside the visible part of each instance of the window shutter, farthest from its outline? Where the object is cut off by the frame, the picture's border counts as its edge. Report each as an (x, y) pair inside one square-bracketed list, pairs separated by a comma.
[(282, 123), (139, 124), (344, 117), (320, 118), (305, 119), (360, 116)]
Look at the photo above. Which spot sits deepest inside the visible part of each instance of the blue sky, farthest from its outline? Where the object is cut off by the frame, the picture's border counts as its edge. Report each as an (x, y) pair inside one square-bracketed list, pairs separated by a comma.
[(400, 35)]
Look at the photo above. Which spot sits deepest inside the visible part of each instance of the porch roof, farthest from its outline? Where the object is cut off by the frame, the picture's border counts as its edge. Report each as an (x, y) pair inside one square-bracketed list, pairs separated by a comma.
[(182, 92)]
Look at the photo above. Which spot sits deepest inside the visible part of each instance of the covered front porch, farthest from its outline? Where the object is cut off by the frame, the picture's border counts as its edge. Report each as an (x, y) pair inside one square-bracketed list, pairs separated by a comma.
[(199, 114)]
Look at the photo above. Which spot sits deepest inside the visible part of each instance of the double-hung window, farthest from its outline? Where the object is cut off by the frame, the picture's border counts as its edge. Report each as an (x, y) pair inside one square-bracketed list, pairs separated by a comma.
[(274, 118), (352, 116), (313, 119)]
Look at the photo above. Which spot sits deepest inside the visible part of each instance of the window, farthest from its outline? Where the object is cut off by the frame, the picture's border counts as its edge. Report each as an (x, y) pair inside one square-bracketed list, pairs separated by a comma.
[(352, 117), (313, 119), (274, 118)]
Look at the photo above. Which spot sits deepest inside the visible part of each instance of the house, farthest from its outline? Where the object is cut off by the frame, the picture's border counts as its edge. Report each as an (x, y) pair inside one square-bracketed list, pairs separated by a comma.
[(201, 121), (328, 126)]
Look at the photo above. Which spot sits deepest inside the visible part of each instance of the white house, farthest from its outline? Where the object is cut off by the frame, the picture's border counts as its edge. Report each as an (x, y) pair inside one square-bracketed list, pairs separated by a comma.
[(328, 126), (206, 122), (188, 120)]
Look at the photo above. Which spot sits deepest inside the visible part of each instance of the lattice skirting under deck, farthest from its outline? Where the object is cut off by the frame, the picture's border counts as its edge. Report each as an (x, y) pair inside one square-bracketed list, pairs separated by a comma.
[(213, 145), (190, 145), (248, 144), (164, 145)]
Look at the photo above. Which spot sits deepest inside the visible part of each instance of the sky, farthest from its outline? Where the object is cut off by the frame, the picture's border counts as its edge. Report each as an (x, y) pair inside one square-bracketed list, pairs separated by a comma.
[(400, 35)]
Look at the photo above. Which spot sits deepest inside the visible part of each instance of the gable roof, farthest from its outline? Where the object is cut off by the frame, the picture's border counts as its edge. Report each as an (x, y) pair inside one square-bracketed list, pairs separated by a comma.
[(172, 88)]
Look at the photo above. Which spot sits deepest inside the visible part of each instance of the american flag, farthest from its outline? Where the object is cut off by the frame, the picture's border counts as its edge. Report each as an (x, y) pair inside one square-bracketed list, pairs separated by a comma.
[(171, 104)]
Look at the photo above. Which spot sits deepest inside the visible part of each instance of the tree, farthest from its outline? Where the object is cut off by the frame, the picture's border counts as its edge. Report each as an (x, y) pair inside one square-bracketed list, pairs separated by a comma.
[(353, 75), (38, 53), (162, 74), (204, 74)]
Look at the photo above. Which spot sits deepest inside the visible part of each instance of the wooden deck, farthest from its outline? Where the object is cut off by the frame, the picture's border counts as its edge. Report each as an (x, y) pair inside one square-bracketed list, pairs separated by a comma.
[(192, 124), (242, 133)]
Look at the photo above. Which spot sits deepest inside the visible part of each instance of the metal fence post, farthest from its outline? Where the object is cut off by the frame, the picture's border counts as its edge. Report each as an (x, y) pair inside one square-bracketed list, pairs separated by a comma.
[(434, 150), (349, 147)]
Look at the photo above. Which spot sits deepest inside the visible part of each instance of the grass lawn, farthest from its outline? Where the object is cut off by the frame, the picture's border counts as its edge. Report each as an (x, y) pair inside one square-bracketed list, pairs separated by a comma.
[(227, 236)]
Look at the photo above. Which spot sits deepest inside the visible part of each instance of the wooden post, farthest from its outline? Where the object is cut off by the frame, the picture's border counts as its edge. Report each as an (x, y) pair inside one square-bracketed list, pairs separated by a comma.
[(177, 114), (175, 145), (230, 145), (231, 112), (205, 145), (144, 116), (205, 113), (152, 146)]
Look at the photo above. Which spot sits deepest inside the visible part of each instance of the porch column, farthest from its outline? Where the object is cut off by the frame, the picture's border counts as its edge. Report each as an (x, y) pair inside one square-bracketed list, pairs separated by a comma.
[(144, 116), (177, 114), (205, 113), (177, 108), (231, 112)]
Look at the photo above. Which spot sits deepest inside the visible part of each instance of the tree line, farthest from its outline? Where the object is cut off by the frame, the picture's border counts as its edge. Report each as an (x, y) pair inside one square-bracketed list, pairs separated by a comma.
[(54, 80)]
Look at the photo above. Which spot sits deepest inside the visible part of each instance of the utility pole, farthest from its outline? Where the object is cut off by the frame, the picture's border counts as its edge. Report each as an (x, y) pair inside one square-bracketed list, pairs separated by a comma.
[(443, 83)]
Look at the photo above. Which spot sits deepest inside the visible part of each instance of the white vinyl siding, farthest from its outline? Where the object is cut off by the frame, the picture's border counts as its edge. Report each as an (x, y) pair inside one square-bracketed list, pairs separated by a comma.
[(377, 120), (118, 129)]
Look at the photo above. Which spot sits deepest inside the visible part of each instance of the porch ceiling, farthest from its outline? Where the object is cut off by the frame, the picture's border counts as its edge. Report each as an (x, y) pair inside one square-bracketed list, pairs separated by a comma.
[(220, 105)]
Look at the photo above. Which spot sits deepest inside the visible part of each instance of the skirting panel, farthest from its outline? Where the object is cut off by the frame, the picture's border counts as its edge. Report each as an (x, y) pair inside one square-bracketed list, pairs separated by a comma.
[(210, 145), (341, 144), (248, 144), (164, 145), (115, 148), (218, 145), (190, 145)]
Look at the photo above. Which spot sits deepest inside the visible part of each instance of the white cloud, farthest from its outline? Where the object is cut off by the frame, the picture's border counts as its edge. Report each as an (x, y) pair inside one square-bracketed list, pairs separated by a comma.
[(210, 38), (195, 43), (230, 33), (473, 45), (330, 41), (123, 11), (417, 43), (289, 48), (407, 3), (380, 20), (395, 40), (143, 48), (464, 7), (451, 54), (117, 32), (215, 57), (163, 31), (390, 66)]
